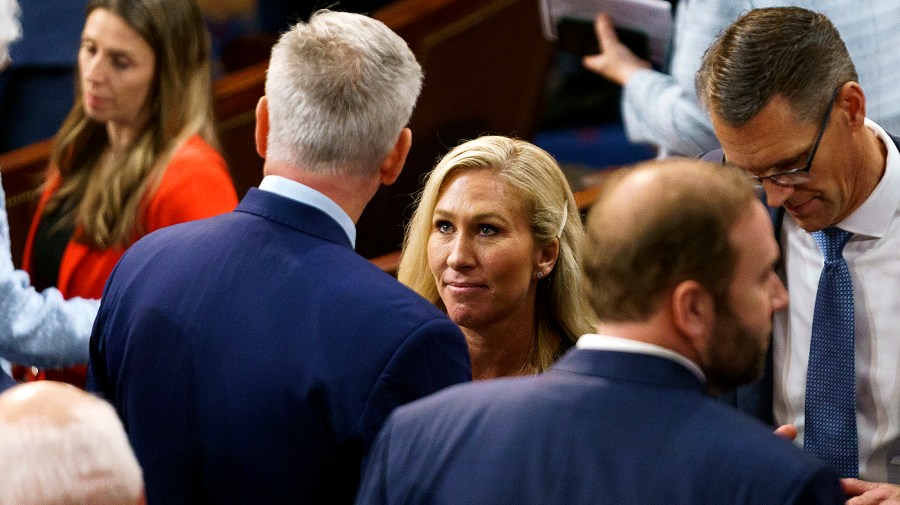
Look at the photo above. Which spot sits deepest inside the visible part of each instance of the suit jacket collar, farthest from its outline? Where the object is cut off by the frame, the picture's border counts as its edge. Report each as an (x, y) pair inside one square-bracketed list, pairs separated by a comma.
[(294, 214), (629, 366)]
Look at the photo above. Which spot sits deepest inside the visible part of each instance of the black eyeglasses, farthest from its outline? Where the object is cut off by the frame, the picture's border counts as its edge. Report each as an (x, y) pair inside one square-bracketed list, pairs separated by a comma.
[(798, 175)]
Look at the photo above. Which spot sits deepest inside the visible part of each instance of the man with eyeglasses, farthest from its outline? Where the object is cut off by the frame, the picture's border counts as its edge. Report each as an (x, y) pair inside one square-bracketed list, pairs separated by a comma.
[(787, 107)]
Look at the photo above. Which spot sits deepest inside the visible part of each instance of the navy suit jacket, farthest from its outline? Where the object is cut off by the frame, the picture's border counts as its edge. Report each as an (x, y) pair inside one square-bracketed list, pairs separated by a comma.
[(6, 381), (756, 398), (600, 427), (254, 356)]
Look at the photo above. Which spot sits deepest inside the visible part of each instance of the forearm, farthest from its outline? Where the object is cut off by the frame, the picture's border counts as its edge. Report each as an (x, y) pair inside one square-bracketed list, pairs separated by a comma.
[(656, 109), (42, 329)]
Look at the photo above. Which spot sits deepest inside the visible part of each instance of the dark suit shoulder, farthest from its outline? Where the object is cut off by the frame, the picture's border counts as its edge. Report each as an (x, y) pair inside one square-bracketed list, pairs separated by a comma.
[(505, 441)]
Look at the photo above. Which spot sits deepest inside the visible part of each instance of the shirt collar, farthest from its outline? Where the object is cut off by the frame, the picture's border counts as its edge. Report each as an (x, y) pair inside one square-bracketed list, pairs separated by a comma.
[(308, 196), (873, 217), (596, 342)]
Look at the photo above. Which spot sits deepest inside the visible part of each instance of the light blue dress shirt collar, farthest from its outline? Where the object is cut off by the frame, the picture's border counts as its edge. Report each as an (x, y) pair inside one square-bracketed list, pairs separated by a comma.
[(308, 196)]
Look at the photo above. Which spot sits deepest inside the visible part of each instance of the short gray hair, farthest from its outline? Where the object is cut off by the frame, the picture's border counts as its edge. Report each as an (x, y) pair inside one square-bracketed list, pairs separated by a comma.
[(10, 29), (78, 453), (340, 88)]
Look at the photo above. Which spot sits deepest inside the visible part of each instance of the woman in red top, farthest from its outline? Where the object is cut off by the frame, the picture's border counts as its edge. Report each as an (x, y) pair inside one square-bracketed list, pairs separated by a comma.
[(136, 152)]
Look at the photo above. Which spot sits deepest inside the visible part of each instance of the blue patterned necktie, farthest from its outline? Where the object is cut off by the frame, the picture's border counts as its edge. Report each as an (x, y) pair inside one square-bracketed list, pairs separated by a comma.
[(830, 431)]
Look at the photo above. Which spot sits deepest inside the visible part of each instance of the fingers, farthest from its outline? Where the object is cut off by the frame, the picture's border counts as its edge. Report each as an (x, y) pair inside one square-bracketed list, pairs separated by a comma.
[(788, 431), (870, 493), (615, 62), (606, 33)]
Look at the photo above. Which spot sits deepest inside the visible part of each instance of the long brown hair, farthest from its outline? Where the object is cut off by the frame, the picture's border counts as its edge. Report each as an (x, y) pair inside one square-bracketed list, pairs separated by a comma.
[(107, 202)]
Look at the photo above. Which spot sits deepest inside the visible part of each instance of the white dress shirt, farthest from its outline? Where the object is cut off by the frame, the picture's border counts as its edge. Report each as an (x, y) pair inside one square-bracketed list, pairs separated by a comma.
[(308, 196), (873, 257)]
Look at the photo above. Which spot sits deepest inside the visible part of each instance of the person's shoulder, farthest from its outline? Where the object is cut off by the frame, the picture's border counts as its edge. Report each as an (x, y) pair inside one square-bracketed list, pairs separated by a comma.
[(362, 281), (195, 156), (505, 396), (743, 438), (714, 156), (181, 236)]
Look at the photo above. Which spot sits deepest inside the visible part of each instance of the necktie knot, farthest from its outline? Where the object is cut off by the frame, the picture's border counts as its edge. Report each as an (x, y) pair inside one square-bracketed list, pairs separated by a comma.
[(832, 241)]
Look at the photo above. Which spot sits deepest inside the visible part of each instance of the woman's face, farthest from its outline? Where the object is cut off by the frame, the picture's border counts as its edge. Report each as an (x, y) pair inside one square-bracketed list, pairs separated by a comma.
[(117, 71), (482, 253)]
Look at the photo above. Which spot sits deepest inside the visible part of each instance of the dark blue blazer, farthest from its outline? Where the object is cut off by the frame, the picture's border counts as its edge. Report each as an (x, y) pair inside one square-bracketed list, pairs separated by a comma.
[(756, 398), (6, 381), (600, 427), (254, 356)]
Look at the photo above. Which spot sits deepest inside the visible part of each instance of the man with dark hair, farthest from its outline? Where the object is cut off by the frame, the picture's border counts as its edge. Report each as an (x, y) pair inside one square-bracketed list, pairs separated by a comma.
[(786, 106), (253, 357), (685, 291)]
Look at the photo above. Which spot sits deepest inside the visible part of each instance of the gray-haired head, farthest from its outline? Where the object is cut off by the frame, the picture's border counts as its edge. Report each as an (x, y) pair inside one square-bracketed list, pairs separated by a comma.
[(59, 445), (340, 89)]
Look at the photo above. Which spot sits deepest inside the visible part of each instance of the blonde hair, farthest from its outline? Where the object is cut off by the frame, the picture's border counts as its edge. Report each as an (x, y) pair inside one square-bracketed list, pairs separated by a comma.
[(107, 202), (561, 313)]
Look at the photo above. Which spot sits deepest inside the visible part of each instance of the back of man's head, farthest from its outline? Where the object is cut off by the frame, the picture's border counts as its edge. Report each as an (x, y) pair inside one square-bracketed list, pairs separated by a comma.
[(656, 225), (787, 51), (10, 30), (61, 446), (340, 89)]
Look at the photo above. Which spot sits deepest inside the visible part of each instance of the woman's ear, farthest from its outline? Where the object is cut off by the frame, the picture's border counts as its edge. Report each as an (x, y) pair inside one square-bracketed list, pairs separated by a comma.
[(545, 258)]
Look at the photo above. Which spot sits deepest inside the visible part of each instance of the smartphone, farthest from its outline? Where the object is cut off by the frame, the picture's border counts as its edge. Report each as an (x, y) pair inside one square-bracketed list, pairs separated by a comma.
[(578, 36)]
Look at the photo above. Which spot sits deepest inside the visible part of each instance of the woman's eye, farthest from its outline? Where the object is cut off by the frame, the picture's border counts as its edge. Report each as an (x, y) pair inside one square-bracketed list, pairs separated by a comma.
[(443, 227), (120, 63), (487, 230)]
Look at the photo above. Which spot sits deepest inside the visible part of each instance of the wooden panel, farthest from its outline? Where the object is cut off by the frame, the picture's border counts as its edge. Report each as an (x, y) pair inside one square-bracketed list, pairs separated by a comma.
[(236, 96)]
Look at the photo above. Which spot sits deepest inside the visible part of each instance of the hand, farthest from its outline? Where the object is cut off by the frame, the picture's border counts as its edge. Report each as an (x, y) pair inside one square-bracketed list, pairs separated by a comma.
[(615, 62), (788, 431), (871, 493)]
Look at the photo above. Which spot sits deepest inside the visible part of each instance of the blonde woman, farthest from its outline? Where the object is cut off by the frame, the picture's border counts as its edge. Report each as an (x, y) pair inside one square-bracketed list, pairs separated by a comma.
[(493, 243)]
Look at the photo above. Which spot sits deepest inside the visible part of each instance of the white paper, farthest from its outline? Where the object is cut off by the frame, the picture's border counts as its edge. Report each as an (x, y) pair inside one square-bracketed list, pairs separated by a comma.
[(652, 17)]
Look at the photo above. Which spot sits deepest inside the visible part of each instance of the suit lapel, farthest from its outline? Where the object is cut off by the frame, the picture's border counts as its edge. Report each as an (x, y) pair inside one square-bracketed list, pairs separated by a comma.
[(299, 216), (629, 366)]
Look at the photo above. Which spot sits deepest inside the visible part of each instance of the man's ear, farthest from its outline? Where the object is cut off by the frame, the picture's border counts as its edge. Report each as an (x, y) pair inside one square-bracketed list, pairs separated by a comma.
[(393, 164), (261, 133), (694, 314), (852, 100)]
